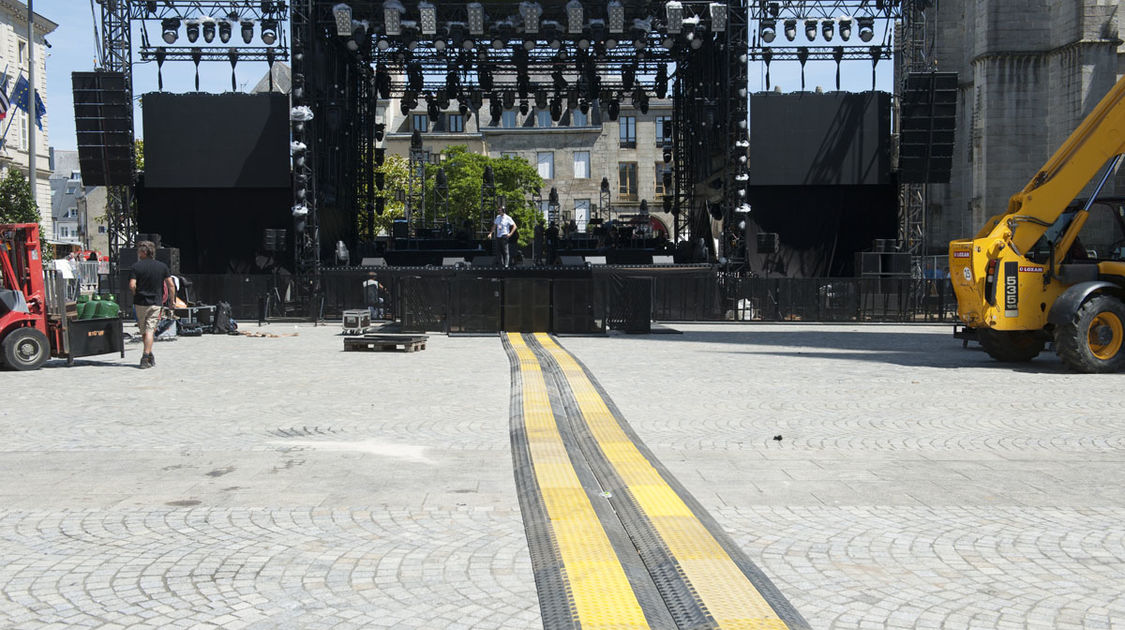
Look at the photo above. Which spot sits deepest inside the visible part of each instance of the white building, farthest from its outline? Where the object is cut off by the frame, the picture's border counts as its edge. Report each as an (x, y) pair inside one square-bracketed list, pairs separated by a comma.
[(14, 54)]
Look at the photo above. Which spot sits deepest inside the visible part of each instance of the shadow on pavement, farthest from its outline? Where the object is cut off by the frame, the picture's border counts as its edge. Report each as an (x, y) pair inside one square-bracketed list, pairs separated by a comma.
[(920, 349)]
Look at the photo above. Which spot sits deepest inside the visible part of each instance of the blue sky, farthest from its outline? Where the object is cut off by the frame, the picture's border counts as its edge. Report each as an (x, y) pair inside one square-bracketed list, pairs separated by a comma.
[(73, 49)]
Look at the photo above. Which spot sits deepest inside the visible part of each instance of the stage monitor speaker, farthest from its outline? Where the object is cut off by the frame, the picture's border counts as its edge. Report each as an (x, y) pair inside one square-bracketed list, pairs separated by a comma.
[(103, 123), (447, 261), (400, 228), (373, 262), (768, 242), (572, 261), (484, 261), (929, 117), (663, 260), (595, 260)]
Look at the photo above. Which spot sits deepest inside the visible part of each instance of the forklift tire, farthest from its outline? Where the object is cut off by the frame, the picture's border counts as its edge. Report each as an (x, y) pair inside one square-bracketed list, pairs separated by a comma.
[(1092, 341), (1011, 346), (25, 349)]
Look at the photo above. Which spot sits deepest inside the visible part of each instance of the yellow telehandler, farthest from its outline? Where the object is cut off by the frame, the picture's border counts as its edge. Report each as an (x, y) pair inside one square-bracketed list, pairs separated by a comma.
[(1048, 269)]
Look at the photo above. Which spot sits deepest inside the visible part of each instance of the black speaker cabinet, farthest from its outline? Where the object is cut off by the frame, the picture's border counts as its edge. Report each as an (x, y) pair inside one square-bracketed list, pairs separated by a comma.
[(103, 122)]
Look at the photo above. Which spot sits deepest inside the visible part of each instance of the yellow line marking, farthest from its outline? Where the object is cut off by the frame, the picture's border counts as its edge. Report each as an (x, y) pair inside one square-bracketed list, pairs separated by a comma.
[(602, 594), (724, 590)]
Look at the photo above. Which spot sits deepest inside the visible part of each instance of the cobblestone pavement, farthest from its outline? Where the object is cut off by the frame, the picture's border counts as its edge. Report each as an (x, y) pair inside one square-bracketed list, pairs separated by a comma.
[(279, 482)]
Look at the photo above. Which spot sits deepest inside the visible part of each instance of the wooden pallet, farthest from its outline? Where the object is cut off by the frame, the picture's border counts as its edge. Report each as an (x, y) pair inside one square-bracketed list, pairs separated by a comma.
[(385, 343)]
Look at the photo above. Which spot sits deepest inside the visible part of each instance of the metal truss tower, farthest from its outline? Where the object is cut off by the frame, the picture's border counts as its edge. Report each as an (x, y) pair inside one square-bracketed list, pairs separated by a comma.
[(911, 57)]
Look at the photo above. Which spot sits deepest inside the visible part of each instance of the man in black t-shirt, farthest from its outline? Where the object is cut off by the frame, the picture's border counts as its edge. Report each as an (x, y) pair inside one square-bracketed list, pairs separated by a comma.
[(152, 286)]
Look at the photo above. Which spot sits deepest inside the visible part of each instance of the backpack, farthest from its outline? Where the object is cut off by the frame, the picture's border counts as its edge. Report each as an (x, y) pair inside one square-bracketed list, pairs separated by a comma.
[(223, 324)]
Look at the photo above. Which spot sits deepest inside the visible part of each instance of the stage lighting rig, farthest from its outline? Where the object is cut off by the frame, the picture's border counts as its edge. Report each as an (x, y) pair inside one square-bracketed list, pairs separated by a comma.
[(866, 28), (828, 29), (191, 28), (810, 30), (718, 17), (170, 30), (476, 18), (790, 30), (392, 17), (768, 30), (342, 14), (574, 17), (674, 16), (616, 14), (531, 12), (845, 28), (428, 12), (269, 32), (247, 27)]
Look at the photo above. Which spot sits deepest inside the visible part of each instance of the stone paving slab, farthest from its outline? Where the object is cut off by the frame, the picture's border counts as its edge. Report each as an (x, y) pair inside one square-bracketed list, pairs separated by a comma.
[(283, 483)]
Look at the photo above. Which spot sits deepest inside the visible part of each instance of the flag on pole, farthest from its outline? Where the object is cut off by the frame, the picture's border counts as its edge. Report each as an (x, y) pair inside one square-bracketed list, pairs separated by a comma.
[(4, 103), (19, 97)]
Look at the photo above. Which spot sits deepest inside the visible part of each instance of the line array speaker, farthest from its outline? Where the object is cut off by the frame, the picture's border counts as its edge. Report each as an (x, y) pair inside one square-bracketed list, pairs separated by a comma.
[(104, 126), (929, 117)]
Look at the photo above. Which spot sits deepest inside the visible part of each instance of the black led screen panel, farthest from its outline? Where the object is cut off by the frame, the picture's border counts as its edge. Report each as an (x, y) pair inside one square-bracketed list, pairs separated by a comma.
[(810, 139), (216, 140)]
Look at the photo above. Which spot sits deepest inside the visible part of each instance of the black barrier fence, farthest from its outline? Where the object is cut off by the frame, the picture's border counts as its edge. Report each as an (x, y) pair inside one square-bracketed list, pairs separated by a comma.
[(581, 300)]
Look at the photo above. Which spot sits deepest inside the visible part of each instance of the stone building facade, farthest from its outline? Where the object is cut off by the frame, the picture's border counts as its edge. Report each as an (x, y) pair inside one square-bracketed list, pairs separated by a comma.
[(14, 56), (1029, 72), (77, 211), (573, 154)]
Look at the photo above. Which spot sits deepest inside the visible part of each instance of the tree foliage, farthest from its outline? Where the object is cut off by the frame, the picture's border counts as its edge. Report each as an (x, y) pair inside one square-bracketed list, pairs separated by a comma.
[(17, 205), (515, 179)]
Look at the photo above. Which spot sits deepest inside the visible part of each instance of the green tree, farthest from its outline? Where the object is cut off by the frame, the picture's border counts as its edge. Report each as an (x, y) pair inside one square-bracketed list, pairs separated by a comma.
[(17, 205), (516, 182), (139, 154)]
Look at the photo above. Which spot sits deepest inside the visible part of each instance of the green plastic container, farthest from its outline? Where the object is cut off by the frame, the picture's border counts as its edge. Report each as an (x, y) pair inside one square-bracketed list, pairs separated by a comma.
[(87, 310), (106, 308)]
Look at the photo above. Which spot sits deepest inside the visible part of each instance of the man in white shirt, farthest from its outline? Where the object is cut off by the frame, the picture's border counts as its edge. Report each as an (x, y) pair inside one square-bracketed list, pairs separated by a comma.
[(503, 227)]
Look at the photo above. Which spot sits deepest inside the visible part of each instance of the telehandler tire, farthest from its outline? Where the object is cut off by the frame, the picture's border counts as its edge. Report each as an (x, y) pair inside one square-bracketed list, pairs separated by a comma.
[(1093, 341), (1011, 346), (25, 349)]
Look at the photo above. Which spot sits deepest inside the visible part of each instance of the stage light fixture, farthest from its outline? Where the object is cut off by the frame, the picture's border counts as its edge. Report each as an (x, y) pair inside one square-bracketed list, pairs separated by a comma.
[(476, 100), (584, 106), (392, 17), (661, 82), (468, 45), (150, 6), (696, 42), (207, 25), (484, 78), (611, 43), (380, 131), (529, 44), (667, 202), (497, 43), (380, 180), (614, 108), (674, 16), (342, 13), (667, 155), (810, 30), (845, 28), (380, 205), (616, 12), (605, 185), (556, 109), (574, 19), (768, 30), (668, 42), (552, 34), (476, 18), (383, 44), (828, 29), (429, 17), (791, 29), (866, 28), (583, 44), (495, 110), (247, 27), (572, 99), (269, 32), (170, 28), (224, 31), (509, 99), (541, 99), (628, 77), (358, 38), (524, 108), (718, 17), (531, 12)]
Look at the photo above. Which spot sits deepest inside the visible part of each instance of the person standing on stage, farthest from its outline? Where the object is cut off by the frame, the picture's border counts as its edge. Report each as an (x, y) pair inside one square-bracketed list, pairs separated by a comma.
[(502, 229), (151, 283)]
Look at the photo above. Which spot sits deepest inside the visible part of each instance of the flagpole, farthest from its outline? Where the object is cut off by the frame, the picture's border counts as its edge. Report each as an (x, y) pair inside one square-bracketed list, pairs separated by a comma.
[(12, 118), (31, 101)]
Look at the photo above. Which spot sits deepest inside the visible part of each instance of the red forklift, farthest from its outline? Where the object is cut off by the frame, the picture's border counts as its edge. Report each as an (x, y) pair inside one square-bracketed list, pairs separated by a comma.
[(37, 321)]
